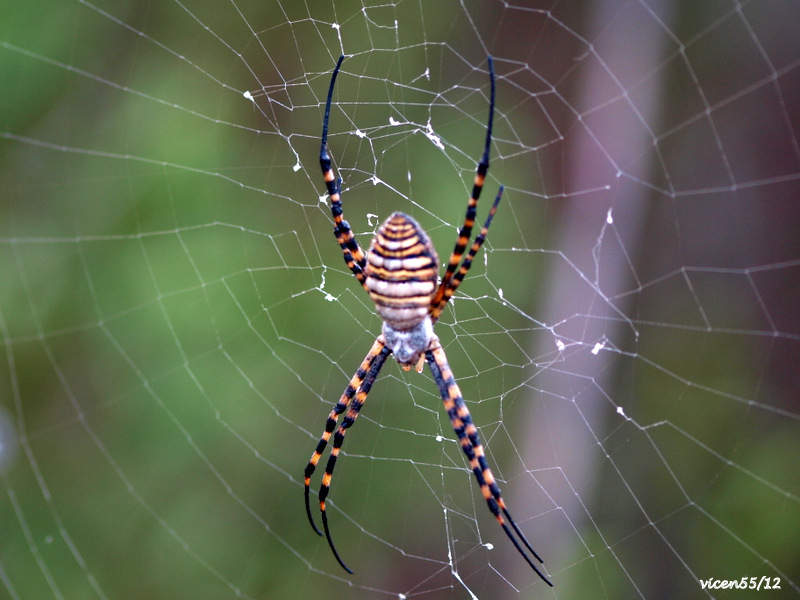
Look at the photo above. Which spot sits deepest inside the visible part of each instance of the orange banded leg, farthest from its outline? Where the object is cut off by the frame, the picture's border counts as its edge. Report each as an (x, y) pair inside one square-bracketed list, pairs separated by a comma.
[(472, 207), (447, 292), (353, 386), (470, 442), (353, 254), (353, 399)]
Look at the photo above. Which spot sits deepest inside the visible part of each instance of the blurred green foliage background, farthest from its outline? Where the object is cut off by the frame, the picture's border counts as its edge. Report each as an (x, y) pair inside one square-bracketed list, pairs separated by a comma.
[(177, 320)]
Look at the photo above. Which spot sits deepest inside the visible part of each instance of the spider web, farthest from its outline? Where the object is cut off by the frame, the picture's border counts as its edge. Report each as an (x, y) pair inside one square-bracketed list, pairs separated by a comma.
[(177, 319)]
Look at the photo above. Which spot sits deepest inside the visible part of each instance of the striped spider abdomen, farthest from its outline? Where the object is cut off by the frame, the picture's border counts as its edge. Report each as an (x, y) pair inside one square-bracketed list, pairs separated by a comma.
[(402, 272), (401, 278)]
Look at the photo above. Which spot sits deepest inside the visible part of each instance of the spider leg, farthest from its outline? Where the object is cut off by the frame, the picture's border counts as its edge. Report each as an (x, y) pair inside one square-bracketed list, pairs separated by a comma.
[(476, 245), (353, 254), (438, 302), (330, 425), (352, 399), (350, 391), (473, 449)]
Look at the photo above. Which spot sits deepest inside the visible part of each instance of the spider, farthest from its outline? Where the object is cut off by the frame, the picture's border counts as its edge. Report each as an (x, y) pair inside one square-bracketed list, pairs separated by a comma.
[(400, 274)]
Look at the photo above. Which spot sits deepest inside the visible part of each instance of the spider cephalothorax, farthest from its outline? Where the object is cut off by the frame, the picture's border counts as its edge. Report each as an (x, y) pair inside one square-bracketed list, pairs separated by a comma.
[(400, 273)]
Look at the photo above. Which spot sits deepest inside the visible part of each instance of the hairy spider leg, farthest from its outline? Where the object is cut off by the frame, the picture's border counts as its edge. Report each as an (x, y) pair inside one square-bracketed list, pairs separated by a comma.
[(464, 234), (353, 254), (470, 442)]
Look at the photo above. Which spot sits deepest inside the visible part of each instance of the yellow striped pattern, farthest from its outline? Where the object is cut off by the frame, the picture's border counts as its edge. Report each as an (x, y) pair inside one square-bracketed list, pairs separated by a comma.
[(402, 272)]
